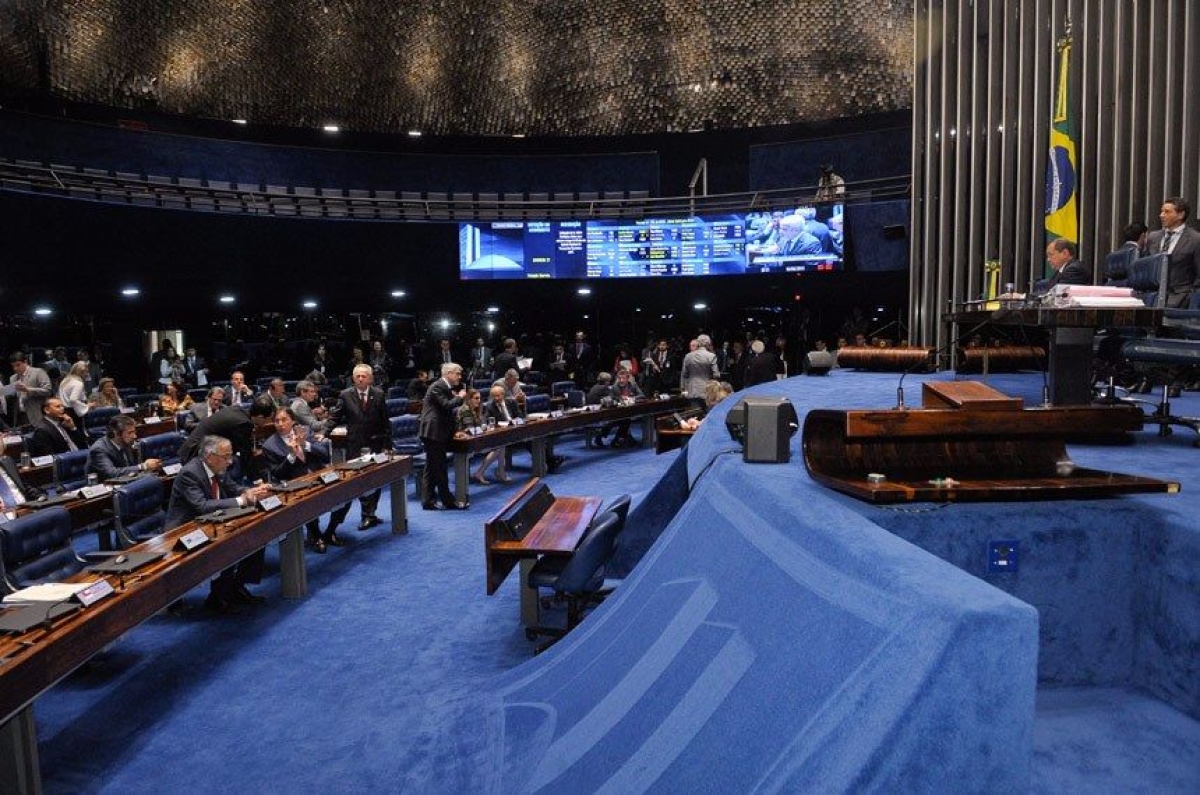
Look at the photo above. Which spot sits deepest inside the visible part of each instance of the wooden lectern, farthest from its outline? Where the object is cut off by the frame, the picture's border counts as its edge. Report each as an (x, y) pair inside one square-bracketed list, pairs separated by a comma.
[(968, 442)]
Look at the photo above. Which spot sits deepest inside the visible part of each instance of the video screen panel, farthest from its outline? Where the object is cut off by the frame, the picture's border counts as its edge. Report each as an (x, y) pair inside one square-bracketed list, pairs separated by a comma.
[(782, 241)]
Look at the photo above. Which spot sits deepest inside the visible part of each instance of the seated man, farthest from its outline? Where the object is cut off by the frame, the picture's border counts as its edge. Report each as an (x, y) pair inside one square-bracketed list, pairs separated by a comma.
[(239, 391), (625, 390), (114, 455), (203, 486), (13, 491), (418, 386), (511, 383), (291, 455), (214, 402), (309, 410), (56, 432)]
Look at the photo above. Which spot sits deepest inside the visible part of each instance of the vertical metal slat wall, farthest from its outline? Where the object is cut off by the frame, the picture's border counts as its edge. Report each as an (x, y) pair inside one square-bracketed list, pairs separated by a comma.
[(983, 89)]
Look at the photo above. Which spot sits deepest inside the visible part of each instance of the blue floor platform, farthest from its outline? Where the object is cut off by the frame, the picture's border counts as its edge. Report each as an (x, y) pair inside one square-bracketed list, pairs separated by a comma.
[(774, 636)]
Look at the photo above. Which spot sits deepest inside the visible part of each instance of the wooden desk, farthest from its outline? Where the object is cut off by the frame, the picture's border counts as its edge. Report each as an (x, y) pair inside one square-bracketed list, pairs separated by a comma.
[(558, 532), (536, 432), (1072, 333), (33, 662)]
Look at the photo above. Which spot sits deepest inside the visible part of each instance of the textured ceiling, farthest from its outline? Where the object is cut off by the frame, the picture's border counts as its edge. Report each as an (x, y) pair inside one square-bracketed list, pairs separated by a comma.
[(544, 67)]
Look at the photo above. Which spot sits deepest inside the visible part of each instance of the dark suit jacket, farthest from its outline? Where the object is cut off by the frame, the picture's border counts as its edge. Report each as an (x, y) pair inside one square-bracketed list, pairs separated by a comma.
[(108, 460), (437, 412), (492, 409), (367, 428), (46, 440), (30, 492), (1183, 265), (276, 452), (1074, 272), (191, 494), (235, 425), (503, 362), (760, 369)]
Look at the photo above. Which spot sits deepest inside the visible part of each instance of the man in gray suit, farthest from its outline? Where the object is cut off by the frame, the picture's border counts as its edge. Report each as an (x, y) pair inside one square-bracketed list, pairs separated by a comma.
[(1182, 245), (33, 387), (699, 367)]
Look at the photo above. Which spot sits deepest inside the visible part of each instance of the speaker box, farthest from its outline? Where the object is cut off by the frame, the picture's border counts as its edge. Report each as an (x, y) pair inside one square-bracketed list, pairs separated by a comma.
[(818, 363), (770, 423)]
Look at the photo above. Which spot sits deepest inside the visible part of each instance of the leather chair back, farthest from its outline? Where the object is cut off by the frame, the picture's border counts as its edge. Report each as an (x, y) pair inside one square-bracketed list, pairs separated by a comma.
[(1148, 278), (95, 422), (396, 406), (561, 388), (164, 446), (37, 548), (535, 403), (138, 507), (584, 572), (404, 434), (70, 469)]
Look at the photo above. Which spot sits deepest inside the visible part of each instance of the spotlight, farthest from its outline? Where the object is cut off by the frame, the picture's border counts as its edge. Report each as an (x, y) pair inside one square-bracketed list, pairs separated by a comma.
[(310, 304), (226, 299), (130, 292), (238, 121), (43, 311), (584, 291), (331, 128), (414, 133), (398, 293)]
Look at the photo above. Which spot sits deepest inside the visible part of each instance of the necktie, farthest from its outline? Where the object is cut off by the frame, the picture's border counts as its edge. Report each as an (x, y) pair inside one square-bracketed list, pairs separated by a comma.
[(67, 437), (504, 407), (362, 396), (1166, 243), (216, 488)]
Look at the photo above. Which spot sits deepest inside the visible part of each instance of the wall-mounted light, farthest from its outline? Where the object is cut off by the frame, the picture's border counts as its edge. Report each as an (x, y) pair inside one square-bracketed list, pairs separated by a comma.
[(332, 128)]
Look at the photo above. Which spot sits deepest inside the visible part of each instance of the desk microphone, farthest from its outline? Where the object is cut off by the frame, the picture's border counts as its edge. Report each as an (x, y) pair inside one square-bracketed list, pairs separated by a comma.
[(937, 353)]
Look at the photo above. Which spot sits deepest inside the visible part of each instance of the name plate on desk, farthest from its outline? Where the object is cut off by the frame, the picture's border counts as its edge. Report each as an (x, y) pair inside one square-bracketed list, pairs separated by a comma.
[(518, 421), (42, 461), (127, 410), (474, 430), (94, 592), (269, 503), (99, 490), (190, 541), (379, 458), (329, 477), (556, 413), (152, 420), (172, 469), (10, 441)]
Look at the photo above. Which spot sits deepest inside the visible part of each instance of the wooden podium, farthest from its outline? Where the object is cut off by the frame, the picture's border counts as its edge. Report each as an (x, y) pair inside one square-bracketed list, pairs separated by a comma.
[(967, 442)]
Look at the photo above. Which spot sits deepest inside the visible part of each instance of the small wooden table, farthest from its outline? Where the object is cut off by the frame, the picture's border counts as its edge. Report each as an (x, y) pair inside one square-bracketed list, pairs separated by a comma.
[(558, 532)]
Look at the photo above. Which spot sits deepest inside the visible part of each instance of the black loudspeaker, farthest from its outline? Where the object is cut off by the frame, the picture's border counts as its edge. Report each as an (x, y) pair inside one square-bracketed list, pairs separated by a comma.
[(764, 426), (818, 363), (895, 232)]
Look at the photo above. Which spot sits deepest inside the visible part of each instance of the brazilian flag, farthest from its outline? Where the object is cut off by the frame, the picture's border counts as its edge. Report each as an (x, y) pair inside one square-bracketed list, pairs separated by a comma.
[(1062, 212)]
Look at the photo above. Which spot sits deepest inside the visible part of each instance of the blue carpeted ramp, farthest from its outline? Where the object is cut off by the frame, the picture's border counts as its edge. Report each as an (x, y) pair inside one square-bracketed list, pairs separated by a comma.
[(773, 642)]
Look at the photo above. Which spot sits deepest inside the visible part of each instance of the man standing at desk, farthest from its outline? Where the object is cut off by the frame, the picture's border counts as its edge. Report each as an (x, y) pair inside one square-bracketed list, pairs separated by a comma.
[(364, 410), (1181, 244), (436, 430), (203, 486)]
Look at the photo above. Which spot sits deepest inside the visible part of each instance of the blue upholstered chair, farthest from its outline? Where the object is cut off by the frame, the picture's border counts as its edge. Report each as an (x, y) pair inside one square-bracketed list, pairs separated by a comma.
[(404, 434), (1116, 266), (482, 384), (198, 395), (575, 398), (95, 422), (537, 403), (37, 548), (560, 388), (1147, 276), (141, 398), (581, 580), (400, 391), (70, 470), (138, 507), (396, 406), (164, 446)]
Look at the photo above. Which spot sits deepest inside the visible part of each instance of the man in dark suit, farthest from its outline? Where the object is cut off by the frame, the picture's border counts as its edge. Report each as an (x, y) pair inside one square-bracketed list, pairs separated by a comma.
[(57, 432), (195, 371), (290, 454), (1182, 245), (1067, 270), (214, 402), (13, 490), (235, 424), (364, 411), (436, 429), (114, 456), (203, 486), (505, 360)]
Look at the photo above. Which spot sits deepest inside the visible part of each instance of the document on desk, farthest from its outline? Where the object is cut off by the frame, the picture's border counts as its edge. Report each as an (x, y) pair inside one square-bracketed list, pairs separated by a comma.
[(46, 592)]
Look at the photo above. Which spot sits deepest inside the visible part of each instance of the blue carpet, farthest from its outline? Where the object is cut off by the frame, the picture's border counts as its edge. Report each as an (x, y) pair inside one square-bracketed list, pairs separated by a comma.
[(385, 678)]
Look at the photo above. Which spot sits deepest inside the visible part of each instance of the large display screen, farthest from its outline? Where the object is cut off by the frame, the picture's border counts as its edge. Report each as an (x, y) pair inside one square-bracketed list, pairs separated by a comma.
[(787, 241)]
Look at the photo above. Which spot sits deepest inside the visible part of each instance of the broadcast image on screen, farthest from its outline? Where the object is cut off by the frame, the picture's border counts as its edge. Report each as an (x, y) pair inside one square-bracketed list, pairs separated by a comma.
[(782, 241)]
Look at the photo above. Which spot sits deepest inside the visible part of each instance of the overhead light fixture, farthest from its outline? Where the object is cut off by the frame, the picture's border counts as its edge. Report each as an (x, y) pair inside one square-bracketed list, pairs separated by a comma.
[(491, 327), (238, 121), (42, 311), (584, 291), (226, 299), (493, 309), (130, 292), (518, 135), (445, 324), (331, 128), (398, 293), (699, 306), (310, 304), (414, 133)]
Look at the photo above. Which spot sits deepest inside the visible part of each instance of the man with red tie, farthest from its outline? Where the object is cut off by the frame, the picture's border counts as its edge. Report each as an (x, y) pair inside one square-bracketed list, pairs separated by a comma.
[(203, 486), (363, 410)]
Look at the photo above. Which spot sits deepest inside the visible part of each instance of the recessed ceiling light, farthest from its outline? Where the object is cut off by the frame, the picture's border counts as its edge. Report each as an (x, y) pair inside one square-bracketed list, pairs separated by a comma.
[(699, 306), (226, 299), (414, 133), (331, 128), (493, 309), (584, 291), (398, 293), (42, 311), (310, 304), (129, 292), (238, 121)]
